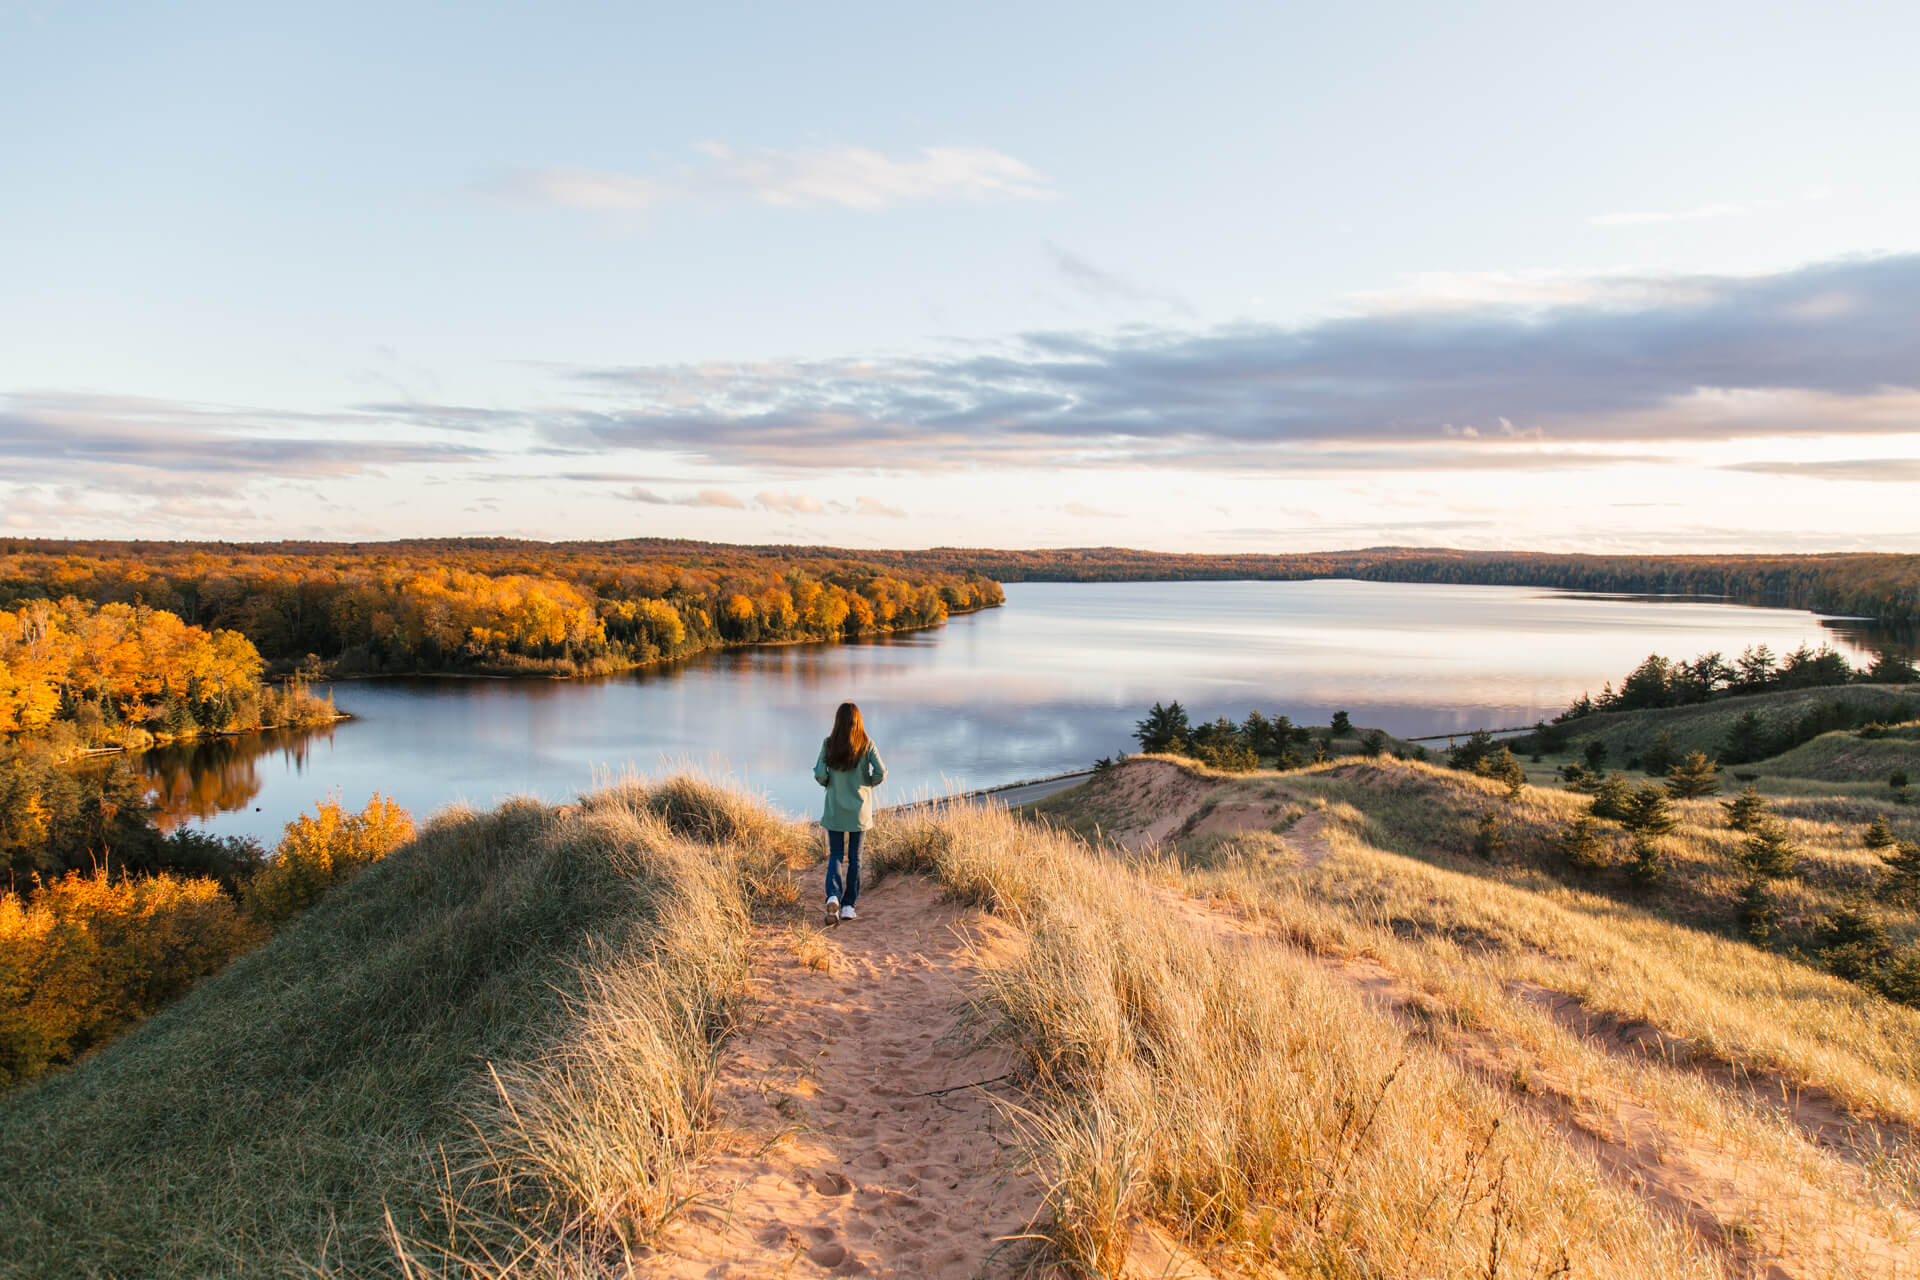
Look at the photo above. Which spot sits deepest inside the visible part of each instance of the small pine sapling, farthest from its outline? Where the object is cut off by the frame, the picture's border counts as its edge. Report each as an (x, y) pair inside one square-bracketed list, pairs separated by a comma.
[(1489, 836), (1694, 776), (1900, 884), (1878, 835), (1746, 811), (1649, 812), (1613, 798), (1756, 911), (1767, 853), (1645, 865), (1582, 846)]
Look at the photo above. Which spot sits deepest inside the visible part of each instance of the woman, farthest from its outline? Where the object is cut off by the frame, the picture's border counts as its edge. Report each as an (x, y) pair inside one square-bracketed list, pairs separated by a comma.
[(849, 768)]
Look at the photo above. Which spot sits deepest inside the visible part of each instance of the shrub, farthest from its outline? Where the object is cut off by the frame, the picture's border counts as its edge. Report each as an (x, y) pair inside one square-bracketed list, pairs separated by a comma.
[(1901, 883), (320, 850), (1878, 835), (91, 955), (1595, 755), (1373, 744), (1232, 757)]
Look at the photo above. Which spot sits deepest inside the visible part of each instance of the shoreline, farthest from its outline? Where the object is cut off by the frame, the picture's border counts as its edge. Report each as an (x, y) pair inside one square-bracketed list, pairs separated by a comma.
[(623, 668)]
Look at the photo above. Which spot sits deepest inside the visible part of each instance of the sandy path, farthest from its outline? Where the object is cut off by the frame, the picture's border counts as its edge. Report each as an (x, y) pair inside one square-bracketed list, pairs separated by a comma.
[(833, 1160)]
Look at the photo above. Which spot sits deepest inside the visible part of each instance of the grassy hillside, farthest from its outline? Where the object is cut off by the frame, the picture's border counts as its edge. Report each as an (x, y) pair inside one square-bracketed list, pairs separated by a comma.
[(1704, 727), (361, 1064)]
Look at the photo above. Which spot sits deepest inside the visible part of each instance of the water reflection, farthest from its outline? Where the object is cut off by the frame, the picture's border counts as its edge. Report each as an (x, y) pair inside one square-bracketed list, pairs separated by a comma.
[(196, 781), (1047, 684)]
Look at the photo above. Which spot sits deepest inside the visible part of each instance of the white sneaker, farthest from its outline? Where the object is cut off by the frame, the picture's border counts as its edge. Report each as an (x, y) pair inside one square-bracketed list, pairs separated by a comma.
[(833, 910), (848, 913)]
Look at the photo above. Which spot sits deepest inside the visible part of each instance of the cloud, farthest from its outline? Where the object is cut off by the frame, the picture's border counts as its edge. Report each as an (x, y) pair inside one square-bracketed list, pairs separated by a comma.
[(1105, 287), (704, 498), (875, 507), (790, 503), (842, 177), (57, 432), (1875, 470), (1823, 350), (1703, 213), (1085, 512)]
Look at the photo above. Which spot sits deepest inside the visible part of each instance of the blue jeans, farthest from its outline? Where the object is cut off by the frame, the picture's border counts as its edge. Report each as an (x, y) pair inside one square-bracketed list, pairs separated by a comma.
[(849, 843)]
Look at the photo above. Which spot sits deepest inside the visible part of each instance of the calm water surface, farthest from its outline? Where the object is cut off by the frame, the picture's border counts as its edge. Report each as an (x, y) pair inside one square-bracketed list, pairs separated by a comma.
[(1046, 684)]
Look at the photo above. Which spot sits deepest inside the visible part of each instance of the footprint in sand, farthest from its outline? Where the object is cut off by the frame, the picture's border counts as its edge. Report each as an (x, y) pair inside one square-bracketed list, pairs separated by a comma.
[(831, 1184), (828, 1253)]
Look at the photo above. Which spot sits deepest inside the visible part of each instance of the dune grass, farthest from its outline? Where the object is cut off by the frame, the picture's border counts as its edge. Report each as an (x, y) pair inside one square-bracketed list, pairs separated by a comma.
[(1259, 1111), (487, 1054)]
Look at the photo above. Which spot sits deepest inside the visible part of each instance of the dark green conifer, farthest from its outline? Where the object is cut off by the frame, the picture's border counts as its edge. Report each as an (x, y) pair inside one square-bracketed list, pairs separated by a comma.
[(1768, 853), (1649, 812), (1901, 882), (1878, 835), (1756, 911), (1613, 798), (1490, 835), (1662, 755), (1582, 846), (1746, 811), (1693, 777), (1645, 865)]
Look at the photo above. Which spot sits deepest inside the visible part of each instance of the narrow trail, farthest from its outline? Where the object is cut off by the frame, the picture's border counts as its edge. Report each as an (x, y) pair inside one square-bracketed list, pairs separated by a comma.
[(839, 1153), (1774, 1222)]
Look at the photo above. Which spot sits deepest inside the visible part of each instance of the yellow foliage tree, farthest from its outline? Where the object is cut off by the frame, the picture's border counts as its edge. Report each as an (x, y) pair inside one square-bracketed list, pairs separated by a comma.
[(321, 849)]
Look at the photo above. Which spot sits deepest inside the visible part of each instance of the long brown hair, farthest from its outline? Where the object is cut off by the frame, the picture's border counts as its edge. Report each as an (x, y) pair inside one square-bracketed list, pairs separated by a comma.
[(849, 741)]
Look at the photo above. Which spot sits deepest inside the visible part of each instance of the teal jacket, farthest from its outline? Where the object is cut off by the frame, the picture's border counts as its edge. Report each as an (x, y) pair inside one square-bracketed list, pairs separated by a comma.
[(849, 791)]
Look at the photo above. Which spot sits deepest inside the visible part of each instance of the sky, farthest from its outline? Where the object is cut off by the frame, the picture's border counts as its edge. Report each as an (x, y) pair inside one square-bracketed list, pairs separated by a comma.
[(1255, 277)]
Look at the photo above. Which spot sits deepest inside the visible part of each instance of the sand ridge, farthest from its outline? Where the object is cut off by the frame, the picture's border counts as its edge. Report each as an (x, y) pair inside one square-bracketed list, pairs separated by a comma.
[(840, 1154)]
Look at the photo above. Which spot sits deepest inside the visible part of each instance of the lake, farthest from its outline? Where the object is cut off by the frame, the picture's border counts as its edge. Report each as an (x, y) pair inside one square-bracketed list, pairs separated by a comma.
[(1046, 684)]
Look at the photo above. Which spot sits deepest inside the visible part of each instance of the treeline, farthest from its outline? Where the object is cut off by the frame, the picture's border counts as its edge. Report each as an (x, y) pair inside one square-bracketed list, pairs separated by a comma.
[(80, 675), (495, 606), (1886, 587), (1240, 748), (88, 954), (1660, 682)]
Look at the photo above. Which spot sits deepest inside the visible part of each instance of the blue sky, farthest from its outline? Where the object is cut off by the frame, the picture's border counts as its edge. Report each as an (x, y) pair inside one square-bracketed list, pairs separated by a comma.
[(1249, 277)]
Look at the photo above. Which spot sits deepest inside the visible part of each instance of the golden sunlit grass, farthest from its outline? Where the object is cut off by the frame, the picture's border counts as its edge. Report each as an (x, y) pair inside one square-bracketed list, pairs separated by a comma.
[(1328, 1044)]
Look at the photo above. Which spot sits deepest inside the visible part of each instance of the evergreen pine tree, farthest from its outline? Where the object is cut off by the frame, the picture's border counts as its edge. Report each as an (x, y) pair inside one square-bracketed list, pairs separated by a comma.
[(1582, 846), (1878, 835), (1509, 770), (1489, 836), (1341, 726), (1650, 813), (1693, 777), (1756, 911), (1595, 755), (1746, 741), (1645, 866), (1768, 853), (1613, 798), (1901, 883), (1746, 811), (1662, 755), (1320, 752), (1163, 729)]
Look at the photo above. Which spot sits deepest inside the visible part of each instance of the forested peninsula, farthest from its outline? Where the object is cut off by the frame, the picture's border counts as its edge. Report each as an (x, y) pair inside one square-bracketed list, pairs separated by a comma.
[(495, 606)]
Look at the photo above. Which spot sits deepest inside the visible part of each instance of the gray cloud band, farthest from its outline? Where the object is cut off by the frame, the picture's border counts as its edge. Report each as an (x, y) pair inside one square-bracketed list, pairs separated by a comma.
[(1830, 349)]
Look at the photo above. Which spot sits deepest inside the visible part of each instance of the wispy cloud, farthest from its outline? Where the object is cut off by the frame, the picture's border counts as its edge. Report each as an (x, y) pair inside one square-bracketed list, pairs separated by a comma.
[(704, 498), (842, 177), (1871, 470), (1107, 288), (875, 507), (793, 504), (1700, 213)]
